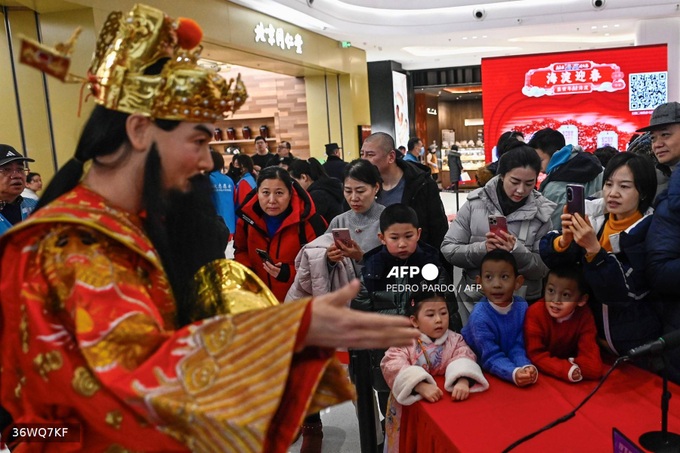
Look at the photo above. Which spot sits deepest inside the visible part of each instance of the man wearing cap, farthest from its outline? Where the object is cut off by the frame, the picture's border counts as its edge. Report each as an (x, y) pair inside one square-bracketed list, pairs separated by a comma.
[(334, 165), (664, 131), (107, 323), (663, 237), (13, 207)]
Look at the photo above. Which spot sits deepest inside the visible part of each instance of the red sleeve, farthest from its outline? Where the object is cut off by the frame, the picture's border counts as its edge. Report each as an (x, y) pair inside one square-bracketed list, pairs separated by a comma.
[(537, 339), (304, 327), (588, 358)]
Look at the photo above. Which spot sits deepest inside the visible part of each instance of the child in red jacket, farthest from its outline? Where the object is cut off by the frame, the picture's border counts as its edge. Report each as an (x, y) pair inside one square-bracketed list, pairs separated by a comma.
[(559, 330)]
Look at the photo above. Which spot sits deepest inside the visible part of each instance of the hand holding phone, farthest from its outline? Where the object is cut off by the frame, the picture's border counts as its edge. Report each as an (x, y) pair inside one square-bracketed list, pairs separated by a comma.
[(342, 235), (576, 199), (264, 256)]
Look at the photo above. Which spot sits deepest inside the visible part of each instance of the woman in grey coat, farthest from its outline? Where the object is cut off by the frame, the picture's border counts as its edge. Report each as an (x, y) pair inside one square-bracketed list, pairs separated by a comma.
[(511, 194)]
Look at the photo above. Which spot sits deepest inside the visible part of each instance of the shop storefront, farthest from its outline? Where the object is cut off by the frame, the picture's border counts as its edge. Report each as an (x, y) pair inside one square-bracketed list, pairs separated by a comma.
[(303, 87)]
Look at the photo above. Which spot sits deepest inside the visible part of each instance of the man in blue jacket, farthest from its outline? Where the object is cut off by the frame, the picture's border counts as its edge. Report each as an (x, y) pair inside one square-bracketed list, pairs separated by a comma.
[(663, 237), (223, 192), (564, 164), (13, 207)]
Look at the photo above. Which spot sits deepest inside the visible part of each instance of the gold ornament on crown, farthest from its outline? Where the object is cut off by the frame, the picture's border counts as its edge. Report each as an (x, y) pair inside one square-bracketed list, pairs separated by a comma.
[(176, 87)]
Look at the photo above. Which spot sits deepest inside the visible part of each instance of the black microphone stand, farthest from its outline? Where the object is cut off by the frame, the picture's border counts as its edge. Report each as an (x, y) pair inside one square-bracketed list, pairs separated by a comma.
[(662, 441)]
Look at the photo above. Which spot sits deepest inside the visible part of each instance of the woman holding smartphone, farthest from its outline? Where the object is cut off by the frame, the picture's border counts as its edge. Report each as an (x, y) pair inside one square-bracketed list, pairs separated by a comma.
[(326, 264), (278, 218), (609, 242), (511, 198)]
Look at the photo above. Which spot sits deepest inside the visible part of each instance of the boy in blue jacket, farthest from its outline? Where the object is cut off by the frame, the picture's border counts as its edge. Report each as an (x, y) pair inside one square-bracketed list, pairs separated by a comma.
[(495, 328)]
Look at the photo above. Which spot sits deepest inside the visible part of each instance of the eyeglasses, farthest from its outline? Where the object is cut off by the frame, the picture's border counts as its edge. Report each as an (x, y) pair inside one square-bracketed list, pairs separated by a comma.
[(9, 171)]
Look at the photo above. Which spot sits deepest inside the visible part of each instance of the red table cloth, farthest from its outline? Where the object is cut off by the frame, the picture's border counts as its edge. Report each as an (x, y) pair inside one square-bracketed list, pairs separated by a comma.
[(490, 421)]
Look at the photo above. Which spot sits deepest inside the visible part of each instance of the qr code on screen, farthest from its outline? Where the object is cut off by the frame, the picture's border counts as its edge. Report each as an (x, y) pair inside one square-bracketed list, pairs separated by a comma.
[(647, 90)]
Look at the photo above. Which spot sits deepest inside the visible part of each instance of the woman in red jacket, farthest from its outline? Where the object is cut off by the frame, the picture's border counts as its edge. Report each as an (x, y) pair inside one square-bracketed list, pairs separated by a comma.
[(279, 218)]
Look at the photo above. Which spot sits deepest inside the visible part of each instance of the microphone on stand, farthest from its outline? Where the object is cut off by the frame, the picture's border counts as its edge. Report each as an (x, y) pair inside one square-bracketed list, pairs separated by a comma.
[(660, 441), (668, 341)]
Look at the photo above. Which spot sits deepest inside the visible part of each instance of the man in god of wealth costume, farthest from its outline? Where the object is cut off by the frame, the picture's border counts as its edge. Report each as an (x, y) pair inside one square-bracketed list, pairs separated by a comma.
[(103, 323)]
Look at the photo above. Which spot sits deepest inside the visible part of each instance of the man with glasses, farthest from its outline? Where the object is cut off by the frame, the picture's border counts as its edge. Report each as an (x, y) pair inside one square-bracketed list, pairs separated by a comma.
[(13, 207)]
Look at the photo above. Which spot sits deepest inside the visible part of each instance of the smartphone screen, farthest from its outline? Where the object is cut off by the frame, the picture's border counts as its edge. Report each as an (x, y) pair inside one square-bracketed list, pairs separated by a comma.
[(264, 255), (498, 223), (575, 199), (342, 235)]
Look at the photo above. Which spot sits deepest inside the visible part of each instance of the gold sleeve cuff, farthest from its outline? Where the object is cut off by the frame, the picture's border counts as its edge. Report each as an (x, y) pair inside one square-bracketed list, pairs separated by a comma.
[(227, 287)]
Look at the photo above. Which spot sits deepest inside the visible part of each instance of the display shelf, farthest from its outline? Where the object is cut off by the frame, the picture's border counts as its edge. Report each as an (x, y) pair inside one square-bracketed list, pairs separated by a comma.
[(254, 122), (472, 158)]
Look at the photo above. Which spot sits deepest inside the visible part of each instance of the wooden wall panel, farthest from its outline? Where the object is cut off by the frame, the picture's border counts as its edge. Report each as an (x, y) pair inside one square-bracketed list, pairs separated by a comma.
[(270, 93), (452, 115)]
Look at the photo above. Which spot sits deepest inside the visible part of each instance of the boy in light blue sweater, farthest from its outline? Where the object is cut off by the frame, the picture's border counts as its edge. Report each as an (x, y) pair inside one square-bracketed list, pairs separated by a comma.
[(495, 328)]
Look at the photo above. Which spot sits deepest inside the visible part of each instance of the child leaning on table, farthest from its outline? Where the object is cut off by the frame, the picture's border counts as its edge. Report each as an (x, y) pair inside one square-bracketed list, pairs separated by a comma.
[(439, 351), (559, 330), (495, 328)]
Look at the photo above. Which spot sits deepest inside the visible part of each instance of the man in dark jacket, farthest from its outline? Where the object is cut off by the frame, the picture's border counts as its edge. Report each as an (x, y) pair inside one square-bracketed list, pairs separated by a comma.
[(663, 237), (455, 166), (334, 165), (408, 183)]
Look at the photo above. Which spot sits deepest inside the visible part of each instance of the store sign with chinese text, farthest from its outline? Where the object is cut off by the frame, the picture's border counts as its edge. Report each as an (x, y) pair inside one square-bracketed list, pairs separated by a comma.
[(277, 36), (575, 77), (594, 97)]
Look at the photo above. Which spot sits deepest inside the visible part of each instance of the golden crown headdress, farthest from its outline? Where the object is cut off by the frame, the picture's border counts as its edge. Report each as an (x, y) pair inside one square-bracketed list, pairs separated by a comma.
[(124, 74)]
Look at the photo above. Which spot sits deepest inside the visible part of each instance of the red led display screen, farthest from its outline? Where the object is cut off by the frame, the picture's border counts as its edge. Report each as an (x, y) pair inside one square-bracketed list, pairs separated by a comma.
[(594, 97)]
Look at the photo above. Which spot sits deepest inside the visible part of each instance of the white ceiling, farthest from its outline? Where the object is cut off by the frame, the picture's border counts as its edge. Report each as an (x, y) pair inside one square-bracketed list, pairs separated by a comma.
[(422, 34)]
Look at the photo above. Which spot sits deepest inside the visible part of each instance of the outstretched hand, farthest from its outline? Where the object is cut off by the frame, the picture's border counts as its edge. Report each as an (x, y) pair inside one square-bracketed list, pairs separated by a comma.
[(335, 325)]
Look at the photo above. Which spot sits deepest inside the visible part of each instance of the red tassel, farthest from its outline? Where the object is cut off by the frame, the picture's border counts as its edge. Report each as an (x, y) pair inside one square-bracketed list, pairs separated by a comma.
[(189, 33)]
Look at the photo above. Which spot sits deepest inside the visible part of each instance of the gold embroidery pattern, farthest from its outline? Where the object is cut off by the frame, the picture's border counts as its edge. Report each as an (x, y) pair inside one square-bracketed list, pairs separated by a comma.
[(217, 336), (20, 385), (23, 328), (199, 374), (204, 408), (45, 363), (84, 383), (114, 419), (127, 345)]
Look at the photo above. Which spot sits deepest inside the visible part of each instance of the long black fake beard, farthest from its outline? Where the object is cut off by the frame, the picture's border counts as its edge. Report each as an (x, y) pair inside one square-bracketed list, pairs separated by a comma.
[(185, 230)]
